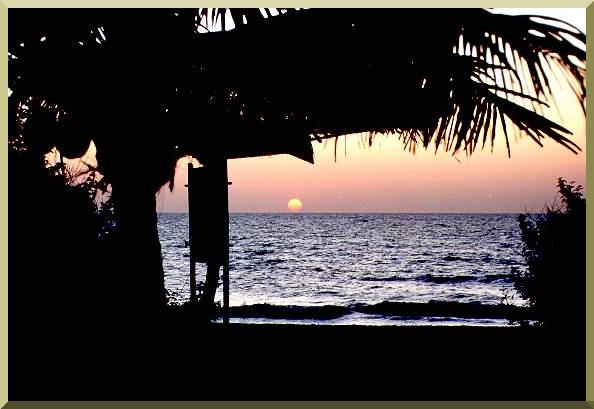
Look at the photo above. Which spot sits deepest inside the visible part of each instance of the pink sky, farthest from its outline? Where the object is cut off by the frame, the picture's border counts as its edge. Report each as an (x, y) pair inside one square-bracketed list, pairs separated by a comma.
[(386, 178)]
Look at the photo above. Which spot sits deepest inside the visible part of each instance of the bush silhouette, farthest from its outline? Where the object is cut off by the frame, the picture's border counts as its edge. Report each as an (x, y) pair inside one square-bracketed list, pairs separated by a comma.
[(554, 247)]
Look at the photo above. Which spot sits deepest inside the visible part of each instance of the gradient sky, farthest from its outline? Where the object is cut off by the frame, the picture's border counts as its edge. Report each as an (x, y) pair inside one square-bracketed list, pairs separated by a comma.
[(386, 178)]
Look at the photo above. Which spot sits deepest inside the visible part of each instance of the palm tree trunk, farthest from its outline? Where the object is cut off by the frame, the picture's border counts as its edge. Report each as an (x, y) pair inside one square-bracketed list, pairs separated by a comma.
[(138, 248)]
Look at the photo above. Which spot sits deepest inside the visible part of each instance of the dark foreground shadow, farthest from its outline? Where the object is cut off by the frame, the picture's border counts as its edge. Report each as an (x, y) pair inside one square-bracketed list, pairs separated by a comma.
[(171, 358)]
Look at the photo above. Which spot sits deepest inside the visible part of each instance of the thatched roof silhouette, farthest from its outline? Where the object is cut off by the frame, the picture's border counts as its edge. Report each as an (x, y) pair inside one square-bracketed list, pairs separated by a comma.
[(446, 77)]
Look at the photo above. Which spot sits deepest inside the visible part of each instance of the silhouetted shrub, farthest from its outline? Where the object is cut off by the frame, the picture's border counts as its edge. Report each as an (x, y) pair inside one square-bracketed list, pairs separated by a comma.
[(554, 247), (81, 186)]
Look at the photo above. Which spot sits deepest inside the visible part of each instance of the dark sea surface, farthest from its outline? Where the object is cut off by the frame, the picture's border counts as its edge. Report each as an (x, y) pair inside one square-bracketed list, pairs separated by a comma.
[(308, 260)]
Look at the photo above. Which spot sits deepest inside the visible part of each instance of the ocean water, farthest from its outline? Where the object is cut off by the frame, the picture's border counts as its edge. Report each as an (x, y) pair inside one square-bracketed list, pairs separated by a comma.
[(309, 260)]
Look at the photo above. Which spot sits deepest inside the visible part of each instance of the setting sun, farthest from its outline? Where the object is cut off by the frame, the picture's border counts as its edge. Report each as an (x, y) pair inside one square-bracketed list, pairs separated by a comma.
[(294, 205)]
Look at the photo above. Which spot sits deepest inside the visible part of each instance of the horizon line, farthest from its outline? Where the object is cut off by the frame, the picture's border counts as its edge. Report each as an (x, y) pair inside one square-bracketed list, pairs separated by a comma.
[(360, 212)]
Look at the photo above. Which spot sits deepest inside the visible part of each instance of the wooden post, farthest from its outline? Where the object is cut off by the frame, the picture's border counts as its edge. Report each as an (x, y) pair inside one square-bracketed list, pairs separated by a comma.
[(226, 254), (193, 295), (208, 197)]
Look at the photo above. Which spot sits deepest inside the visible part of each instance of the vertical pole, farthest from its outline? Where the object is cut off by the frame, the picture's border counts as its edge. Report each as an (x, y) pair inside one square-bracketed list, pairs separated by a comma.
[(193, 295), (226, 250)]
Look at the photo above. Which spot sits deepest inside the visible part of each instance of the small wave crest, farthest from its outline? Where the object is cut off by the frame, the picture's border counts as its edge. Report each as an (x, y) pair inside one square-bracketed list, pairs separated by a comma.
[(262, 252)]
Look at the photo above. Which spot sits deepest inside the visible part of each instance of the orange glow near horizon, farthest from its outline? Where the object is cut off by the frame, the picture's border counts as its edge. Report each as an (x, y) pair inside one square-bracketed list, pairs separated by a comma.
[(387, 178)]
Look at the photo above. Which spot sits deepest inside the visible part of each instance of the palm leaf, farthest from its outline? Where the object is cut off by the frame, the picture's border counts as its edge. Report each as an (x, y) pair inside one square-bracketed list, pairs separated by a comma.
[(451, 86)]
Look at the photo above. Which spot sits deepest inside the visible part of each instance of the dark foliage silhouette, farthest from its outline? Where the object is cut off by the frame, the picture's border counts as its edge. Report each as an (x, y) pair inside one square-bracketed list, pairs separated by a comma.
[(555, 253)]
